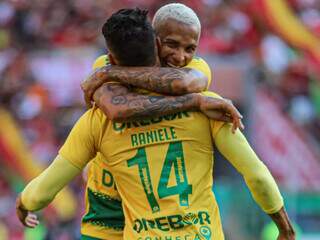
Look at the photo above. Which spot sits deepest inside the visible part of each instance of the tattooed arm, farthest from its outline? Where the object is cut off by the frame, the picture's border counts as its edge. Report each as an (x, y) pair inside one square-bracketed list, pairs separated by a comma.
[(171, 81), (121, 104)]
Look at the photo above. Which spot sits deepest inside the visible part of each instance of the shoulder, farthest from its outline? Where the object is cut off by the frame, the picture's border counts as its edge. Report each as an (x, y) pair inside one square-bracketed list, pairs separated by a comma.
[(196, 60), (201, 65), (100, 61), (91, 123), (95, 114), (91, 119)]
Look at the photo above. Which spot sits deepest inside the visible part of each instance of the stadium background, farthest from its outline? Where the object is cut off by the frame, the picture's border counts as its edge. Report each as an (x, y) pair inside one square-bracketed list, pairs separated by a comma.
[(265, 56)]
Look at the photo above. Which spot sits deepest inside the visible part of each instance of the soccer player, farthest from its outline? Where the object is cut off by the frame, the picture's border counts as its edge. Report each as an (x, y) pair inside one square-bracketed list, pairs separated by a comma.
[(178, 31), (196, 76), (104, 217), (162, 166)]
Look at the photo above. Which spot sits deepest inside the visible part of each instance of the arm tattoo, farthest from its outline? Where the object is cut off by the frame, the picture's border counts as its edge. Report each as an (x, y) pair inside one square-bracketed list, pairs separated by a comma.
[(161, 80), (120, 104)]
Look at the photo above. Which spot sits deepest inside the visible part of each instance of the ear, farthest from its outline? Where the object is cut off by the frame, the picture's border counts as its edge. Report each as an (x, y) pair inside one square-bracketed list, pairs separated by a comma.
[(157, 51), (111, 59), (158, 42)]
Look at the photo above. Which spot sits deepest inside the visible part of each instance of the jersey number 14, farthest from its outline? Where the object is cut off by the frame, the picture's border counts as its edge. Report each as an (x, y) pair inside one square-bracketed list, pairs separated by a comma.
[(175, 159)]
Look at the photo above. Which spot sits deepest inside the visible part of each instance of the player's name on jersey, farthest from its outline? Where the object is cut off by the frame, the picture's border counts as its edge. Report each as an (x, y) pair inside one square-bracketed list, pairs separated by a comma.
[(119, 127), (153, 136)]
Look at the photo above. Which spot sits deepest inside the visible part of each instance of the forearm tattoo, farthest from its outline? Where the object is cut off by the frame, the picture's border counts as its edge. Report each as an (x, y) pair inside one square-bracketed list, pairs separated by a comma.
[(161, 80), (129, 105)]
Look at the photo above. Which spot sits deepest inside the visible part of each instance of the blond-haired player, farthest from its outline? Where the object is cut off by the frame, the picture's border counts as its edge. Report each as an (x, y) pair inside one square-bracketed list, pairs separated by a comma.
[(166, 162), (104, 217)]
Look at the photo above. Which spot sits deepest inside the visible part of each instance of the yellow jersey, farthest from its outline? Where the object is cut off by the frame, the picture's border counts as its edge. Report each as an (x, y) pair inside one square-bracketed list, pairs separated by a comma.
[(163, 170), (104, 217)]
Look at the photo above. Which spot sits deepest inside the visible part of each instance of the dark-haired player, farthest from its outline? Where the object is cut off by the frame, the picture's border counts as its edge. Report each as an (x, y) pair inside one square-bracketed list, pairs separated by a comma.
[(104, 217), (163, 166)]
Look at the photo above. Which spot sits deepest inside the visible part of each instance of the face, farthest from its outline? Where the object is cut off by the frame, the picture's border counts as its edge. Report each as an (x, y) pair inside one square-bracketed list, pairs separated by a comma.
[(177, 43)]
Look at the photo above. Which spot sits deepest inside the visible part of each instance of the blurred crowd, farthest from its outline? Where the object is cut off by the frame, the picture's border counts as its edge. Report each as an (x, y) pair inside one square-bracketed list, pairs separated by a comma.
[(229, 27)]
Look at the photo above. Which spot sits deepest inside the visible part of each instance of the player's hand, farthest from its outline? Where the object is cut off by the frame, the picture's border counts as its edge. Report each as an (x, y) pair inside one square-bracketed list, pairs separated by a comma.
[(92, 83), (26, 217), (286, 236), (281, 219), (221, 110)]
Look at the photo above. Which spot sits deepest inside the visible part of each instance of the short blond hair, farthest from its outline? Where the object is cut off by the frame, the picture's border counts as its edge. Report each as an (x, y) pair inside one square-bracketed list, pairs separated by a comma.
[(178, 12)]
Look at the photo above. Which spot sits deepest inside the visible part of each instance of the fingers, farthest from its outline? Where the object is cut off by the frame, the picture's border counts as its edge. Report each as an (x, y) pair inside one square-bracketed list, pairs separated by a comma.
[(27, 218), (218, 116), (234, 108), (241, 125), (229, 114), (225, 105), (237, 124), (235, 114), (88, 93), (91, 84), (87, 100), (223, 117), (222, 110), (31, 220), (231, 109)]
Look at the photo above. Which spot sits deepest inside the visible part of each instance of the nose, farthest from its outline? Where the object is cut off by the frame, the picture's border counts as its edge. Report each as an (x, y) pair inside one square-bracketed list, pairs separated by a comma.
[(179, 57)]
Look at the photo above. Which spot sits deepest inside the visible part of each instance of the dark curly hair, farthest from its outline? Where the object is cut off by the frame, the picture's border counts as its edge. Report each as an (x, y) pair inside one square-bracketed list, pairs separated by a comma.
[(130, 37)]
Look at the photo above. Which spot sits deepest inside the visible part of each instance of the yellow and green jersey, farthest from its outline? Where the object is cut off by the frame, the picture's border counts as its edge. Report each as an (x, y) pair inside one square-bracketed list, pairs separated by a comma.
[(104, 216), (163, 170)]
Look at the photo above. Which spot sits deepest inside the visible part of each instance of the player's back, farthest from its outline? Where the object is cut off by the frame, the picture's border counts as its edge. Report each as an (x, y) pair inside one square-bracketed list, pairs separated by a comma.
[(163, 169)]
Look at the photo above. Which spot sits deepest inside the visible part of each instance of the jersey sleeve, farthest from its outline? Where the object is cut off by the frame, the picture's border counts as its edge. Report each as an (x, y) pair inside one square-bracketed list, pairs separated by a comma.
[(202, 66), (238, 152), (100, 62), (42, 190), (82, 142)]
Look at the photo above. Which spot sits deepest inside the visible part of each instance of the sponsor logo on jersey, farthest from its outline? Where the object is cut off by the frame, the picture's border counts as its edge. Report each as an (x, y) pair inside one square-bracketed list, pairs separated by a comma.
[(119, 127), (174, 222)]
